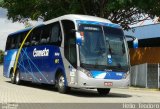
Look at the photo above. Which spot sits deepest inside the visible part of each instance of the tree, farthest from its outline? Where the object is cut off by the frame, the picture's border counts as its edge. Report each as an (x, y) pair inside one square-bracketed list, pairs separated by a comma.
[(123, 12)]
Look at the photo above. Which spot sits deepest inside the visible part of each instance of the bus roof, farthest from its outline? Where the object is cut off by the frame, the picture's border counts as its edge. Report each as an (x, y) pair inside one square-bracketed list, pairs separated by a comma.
[(75, 17), (72, 17)]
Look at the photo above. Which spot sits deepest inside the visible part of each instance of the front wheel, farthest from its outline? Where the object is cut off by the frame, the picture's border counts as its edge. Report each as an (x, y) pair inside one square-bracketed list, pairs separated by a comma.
[(62, 88), (103, 91)]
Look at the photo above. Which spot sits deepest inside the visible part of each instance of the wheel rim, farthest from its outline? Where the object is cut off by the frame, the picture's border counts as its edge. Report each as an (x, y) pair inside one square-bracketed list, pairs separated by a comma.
[(17, 77), (61, 81)]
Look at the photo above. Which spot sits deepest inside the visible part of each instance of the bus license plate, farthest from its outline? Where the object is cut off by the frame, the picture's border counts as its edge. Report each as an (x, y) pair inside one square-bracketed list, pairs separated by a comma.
[(108, 83)]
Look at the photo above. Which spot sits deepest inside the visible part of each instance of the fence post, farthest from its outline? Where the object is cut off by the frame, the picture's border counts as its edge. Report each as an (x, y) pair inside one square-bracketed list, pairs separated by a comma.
[(158, 77), (146, 75), (136, 75)]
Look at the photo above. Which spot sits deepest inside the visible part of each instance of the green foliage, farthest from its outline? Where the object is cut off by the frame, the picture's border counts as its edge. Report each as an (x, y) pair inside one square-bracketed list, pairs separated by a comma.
[(123, 12), (1, 2)]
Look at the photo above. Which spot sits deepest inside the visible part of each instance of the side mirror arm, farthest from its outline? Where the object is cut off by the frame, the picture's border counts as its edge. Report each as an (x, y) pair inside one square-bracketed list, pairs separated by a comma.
[(135, 41)]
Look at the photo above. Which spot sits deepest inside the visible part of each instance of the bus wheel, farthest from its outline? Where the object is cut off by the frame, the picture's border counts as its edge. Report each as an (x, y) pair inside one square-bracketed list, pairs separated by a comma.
[(61, 84), (103, 91), (13, 79), (17, 77)]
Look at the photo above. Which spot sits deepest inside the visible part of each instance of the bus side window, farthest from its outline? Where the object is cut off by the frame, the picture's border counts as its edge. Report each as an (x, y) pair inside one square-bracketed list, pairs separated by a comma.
[(17, 41), (28, 40), (8, 44), (14, 41), (22, 35), (70, 42), (56, 36), (46, 33), (35, 39)]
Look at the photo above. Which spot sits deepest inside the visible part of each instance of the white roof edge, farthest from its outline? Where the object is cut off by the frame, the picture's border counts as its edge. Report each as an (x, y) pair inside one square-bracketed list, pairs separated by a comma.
[(74, 17)]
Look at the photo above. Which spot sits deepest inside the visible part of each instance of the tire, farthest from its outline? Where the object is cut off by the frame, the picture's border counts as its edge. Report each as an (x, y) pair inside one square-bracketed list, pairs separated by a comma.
[(13, 79), (103, 92), (62, 88), (17, 78)]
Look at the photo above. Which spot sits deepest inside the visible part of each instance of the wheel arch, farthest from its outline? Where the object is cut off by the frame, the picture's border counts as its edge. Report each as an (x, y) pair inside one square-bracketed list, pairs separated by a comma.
[(10, 73), (61, 71)]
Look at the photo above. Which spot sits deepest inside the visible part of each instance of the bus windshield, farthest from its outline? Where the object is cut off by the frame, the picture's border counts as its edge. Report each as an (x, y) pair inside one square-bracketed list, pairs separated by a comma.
[(102, 47)]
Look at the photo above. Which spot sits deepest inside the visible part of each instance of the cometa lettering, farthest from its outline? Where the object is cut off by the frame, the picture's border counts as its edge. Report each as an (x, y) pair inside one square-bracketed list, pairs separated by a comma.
[(39, 53)]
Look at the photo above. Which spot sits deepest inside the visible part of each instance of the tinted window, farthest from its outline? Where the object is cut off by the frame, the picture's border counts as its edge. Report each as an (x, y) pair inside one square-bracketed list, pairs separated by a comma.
[(56, 36), (13, 42), (21, 38), (8, 44), (36, 35), (45, 36), (28, 40)]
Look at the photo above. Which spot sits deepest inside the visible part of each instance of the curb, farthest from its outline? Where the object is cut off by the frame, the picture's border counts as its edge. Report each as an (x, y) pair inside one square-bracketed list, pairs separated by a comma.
[(147, 89)]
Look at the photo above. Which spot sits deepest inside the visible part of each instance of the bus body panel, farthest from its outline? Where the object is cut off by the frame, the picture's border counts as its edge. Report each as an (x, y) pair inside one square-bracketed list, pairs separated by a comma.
[(40, 63), (81, 80), (9, 59), (86, 82)]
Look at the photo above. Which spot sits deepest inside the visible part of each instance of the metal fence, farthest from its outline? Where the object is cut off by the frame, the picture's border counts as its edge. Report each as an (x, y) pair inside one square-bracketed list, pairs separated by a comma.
[(145, 75)]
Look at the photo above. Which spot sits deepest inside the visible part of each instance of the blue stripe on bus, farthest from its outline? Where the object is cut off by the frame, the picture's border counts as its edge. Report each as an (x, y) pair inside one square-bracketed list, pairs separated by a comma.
[(37, 68), (98, 23), (107, 75)]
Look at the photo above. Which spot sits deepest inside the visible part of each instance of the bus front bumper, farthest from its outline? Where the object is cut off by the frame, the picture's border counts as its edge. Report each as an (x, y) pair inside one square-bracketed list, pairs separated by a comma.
[(87, 82)]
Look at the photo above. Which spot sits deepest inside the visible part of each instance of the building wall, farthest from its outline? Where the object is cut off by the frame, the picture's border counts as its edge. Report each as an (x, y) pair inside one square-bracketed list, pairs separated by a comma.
[(145, 31), (144, 55)]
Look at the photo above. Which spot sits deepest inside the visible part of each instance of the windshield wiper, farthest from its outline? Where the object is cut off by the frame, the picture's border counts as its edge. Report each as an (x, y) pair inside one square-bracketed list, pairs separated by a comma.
[(109, 49), (88, 66)]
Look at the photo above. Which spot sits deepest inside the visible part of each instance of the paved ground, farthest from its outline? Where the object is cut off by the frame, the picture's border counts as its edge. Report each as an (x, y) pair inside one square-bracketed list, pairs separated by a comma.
[(33, 93)]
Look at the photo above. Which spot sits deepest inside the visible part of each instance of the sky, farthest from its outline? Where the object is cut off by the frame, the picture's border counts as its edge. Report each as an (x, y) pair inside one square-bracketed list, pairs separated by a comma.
[(7, 26)]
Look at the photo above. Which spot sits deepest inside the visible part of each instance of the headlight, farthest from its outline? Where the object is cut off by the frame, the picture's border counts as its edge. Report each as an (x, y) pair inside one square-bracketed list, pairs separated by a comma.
[(85, 71), (125, 75)]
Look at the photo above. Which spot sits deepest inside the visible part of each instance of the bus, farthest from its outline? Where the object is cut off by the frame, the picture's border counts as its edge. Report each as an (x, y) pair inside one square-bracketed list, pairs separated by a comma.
[(71, 51)]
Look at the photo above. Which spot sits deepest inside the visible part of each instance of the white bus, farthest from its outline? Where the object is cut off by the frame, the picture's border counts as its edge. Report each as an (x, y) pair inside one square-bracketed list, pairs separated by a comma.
[(71, 51)]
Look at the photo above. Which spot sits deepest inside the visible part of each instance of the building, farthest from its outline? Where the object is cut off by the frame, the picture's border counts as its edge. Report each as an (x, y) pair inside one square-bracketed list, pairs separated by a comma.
[(148, 50), (145, 70)]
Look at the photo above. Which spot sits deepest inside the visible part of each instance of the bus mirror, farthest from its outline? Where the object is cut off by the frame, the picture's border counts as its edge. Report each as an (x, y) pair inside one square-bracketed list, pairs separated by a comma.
[(73, 31), (135, 43), (135, 40)]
